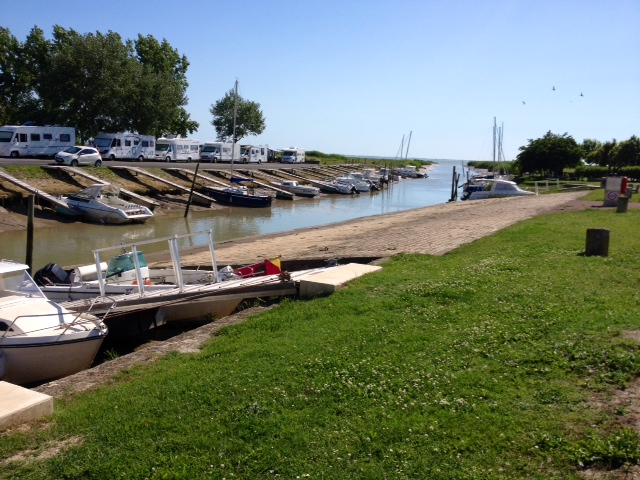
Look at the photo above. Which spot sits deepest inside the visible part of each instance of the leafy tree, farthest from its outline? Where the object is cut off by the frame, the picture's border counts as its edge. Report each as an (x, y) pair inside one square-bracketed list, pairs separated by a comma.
[(13, 80), (626, 153), (97, 82), (589, 148), (602, 155), (249, 118), (549, 155)]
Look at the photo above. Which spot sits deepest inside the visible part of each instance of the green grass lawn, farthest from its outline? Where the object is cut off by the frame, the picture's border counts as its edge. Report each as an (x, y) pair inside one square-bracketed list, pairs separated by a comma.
[(478, 364)]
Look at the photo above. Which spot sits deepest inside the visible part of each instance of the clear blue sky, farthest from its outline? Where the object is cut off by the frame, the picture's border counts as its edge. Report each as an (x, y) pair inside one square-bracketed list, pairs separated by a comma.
[(354, 76)]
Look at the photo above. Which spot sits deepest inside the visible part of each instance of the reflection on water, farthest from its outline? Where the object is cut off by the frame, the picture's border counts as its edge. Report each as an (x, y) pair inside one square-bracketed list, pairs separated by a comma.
[(72, 243)]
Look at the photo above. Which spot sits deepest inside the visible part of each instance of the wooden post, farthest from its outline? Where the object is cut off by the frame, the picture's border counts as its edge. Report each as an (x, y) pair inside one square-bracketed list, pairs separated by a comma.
[(193, 184), (623, 204), (29, 256), (597, 242)]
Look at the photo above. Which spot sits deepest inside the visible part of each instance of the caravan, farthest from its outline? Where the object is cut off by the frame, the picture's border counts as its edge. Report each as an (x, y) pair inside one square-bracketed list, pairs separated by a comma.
[(34, 141), (214, 152), (125, 146), (172, 148), (293, 155), (251, 154)]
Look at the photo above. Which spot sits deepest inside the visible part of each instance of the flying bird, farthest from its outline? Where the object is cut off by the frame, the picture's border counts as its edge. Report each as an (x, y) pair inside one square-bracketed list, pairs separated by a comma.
[(581, 94), (554, 89), (523, 102)]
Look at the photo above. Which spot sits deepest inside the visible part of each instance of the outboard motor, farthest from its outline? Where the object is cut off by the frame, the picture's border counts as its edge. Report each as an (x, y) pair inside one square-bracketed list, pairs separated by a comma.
[(52, 274)]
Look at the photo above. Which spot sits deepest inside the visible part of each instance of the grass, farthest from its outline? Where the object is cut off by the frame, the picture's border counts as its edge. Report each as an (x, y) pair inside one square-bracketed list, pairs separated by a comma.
[(477, 364)]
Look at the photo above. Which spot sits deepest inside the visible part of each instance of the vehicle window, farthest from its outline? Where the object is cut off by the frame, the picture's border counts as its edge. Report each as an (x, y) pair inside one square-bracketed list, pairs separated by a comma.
[(195, 148), (35, 137), (145, 143), (47, 136), (127, 143), (65, 137), (23, 137)]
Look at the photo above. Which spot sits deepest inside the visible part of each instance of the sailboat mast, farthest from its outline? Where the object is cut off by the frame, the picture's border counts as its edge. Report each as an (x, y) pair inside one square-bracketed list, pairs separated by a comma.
[(235, 113), (408, 142), (494, 147)]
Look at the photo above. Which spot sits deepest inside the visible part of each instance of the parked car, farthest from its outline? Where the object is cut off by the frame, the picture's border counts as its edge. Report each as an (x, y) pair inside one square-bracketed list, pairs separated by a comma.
[(78, 155)]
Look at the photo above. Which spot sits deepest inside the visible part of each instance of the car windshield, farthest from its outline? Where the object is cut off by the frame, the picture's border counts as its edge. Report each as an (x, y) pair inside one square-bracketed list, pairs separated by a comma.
[(162, 147), (5, 136), (73, 150), (209, 148), (102, 142)]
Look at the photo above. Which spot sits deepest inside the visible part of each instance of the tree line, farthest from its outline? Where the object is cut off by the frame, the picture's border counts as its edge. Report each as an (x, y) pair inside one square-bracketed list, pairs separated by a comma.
[(95, 82)]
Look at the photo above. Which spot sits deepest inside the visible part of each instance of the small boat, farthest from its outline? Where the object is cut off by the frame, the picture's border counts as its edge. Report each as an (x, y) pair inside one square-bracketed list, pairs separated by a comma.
[(237, 196), (492, 188), (297, 189), (40, 340), (102, 203), (335, 187), (359, 184)]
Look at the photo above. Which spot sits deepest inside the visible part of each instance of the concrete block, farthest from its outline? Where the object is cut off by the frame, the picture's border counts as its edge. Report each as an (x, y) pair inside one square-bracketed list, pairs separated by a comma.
[(328, 281), (20, 405)]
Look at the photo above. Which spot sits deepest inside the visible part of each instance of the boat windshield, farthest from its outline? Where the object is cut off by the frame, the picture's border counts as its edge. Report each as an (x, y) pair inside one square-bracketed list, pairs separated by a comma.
[(19, 283), (124, 263)]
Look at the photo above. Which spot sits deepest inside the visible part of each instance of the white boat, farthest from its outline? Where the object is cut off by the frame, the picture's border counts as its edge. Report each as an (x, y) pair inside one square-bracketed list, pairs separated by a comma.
[(102, 203), (492, 188), (359, 184), (335, 187), (297, 189), (39, 339)]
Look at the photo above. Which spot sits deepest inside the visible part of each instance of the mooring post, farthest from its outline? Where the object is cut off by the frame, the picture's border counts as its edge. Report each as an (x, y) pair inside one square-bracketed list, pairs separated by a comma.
[(29, 257), (597, 242), (623, 204)]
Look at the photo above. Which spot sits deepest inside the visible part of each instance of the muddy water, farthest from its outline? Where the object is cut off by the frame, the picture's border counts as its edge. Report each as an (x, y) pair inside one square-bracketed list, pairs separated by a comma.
[(72, 243)]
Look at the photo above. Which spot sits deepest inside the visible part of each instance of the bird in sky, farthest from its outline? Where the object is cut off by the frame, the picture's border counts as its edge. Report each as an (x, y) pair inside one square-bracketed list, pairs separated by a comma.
[(523, 102), (554, 89), (581, 94)]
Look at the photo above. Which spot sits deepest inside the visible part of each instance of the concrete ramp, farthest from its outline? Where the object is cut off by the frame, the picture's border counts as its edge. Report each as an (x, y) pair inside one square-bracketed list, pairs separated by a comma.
[(20, 405), (327, 282)]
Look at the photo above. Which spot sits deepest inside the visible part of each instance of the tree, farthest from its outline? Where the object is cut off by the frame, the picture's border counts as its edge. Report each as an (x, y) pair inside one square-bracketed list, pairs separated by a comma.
[(626, 154), (602, 155), (549, 155), (249, 118), (589, 148)]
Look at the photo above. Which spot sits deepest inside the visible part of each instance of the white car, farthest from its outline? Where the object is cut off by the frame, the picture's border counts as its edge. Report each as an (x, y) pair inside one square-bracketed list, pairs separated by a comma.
[(78, 155)]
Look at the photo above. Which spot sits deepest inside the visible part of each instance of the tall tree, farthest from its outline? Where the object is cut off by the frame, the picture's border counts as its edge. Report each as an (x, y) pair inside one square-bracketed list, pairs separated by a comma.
[(626, 153), (603, 154), (13, 81), (589, 148), (249, 118), (549, 155)]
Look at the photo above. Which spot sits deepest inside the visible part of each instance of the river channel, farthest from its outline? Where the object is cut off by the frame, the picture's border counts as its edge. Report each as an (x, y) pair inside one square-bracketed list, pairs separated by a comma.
[(72, 243)]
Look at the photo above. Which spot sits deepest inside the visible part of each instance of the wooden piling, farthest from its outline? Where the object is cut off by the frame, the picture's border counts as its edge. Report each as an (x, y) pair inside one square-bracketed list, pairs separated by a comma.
[(30, 214)]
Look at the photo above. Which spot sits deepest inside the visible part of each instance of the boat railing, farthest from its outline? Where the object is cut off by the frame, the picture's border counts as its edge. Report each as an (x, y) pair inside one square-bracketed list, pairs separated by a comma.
[(79, 319)]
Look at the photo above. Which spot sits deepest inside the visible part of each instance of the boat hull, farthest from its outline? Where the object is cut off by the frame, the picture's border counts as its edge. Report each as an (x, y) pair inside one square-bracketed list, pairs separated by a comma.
[(238, 199), (29, 361)]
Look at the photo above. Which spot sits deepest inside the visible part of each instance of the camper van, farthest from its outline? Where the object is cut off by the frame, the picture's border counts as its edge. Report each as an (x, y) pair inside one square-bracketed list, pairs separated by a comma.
[(250, 154), (293, 155), (34, 141), (172, 148), (214, 152), (125, 146)]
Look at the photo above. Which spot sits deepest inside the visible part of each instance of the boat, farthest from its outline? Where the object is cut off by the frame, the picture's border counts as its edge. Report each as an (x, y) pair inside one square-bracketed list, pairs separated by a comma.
[(359, 184), (40, 340), (102, 203), (297, 189), (239, 196), (335, 187), (492, 188)]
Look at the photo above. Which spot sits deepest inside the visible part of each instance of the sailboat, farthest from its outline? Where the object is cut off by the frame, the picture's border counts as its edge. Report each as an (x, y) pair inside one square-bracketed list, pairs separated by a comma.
[(238, 194)]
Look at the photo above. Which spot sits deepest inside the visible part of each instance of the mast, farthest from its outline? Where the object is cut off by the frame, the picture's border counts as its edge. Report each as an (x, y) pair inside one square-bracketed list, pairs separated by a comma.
[(235, 113), (494, 147), (408, 142)]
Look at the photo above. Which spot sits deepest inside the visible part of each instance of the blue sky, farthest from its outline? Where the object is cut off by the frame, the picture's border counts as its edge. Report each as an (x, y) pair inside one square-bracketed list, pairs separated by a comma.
[(353, 77)]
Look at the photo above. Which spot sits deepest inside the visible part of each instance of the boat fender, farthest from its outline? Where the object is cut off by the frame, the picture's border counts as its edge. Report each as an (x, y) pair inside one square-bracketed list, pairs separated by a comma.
[(147, 281)]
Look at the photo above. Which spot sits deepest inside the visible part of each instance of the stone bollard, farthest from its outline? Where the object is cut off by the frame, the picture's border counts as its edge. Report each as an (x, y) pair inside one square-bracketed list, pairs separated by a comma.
[(623, 204), (597, 242)]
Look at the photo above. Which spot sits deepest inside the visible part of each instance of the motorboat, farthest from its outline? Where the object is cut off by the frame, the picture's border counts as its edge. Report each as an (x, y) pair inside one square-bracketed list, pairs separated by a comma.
[(360, 185), (492, 188), (40, 340), (239, 196), (102, 203), (297, 189), (335, 187)]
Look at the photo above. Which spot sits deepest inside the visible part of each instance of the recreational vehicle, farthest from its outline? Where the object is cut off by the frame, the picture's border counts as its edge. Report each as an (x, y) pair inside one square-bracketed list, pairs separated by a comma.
[(214, 152), (175, 148), (35, 141), (293, 155), (125, 146), (251, 154)]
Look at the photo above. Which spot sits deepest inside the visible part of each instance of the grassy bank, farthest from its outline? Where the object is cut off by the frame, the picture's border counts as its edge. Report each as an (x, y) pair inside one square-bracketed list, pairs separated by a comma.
[(483, 363)]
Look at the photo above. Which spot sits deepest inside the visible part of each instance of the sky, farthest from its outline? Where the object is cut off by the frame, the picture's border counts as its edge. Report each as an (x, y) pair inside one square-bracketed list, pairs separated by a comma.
[(390, 78)]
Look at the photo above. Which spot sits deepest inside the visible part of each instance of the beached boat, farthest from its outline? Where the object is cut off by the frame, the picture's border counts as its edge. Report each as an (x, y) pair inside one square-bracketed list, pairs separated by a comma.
[(102, 203), (39, 339), (359, 184), (237, 196), (335, 187), (297, 189), (492, 188)]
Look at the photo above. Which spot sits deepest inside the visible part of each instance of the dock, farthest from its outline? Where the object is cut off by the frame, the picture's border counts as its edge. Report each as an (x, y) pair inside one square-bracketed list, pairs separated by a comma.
[(54, 201)]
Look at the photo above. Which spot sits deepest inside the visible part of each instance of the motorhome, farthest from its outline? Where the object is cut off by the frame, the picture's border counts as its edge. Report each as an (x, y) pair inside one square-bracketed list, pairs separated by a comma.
[(125, 146), (214, 152), (35, 141), (251, 154), (293, 155), (174, 148)]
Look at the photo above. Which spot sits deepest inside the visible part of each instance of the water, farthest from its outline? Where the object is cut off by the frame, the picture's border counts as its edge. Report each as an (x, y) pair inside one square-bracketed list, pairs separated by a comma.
[(72, 244)]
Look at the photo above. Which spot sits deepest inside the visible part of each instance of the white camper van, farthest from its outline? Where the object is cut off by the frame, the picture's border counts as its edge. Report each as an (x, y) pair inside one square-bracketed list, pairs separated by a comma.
[(34, 141), (250, 154), (214, 152), (125, 146), (293, 155), (172, 148)]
